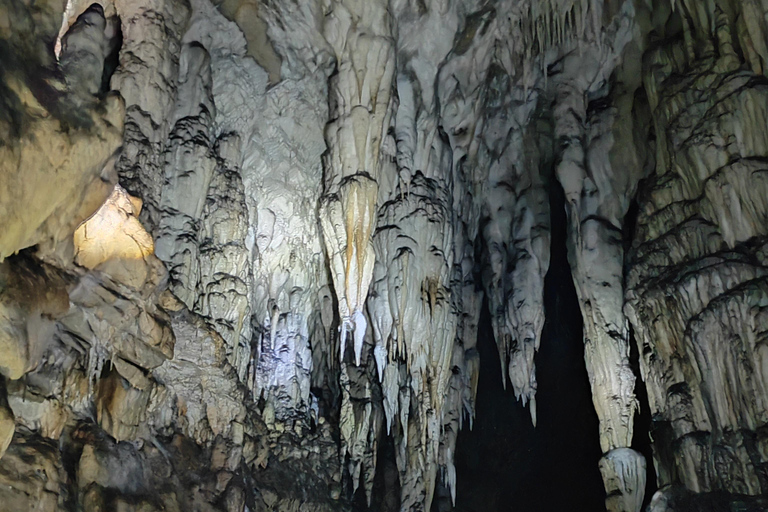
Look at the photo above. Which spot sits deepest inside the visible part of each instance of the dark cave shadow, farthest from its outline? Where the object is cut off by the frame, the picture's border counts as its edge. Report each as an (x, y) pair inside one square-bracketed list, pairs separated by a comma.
[(504, 464)]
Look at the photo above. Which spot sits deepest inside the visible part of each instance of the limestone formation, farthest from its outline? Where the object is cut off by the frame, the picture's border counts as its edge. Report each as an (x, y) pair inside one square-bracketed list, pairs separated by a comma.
[(245, 244), (360, 34), (696, 278)]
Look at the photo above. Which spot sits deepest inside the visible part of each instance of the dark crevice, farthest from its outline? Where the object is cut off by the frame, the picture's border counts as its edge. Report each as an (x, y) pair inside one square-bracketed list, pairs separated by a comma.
[(385, 496), (505, 463), (112, 61), (630, 225), (643, 421), (641, 441)]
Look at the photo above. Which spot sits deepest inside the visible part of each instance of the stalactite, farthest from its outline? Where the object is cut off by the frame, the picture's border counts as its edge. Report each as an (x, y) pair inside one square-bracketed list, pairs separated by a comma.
[(516, 236), (360, 34), (597, 179)]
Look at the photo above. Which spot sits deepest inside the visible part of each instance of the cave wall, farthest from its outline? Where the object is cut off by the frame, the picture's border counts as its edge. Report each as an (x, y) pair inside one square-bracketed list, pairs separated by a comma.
[(245, 243), (695, 281)]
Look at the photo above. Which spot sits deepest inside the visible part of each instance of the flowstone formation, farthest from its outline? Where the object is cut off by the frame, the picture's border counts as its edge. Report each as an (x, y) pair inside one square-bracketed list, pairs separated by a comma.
[(696, 280), (245, 244)]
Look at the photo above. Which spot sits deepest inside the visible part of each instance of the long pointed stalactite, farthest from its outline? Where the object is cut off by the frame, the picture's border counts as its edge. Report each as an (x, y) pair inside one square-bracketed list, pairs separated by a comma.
[(360, 91)]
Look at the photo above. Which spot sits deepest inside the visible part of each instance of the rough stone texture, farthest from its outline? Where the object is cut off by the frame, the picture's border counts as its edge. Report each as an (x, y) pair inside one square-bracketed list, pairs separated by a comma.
[(284, 261), (696, 284), (32, 476), (7, 422), (55, 145), (29, 302), (113, 241)]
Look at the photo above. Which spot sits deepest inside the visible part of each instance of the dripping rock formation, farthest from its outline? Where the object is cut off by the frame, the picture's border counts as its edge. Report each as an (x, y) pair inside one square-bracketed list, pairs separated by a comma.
[(269, 254)]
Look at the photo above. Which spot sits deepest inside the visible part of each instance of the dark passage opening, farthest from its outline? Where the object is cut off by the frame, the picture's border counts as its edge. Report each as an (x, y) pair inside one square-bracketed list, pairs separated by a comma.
[(641, 441), (504, 464)]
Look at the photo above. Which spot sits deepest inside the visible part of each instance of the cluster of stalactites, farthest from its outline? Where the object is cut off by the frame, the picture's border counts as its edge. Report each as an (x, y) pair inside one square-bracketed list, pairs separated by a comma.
[(418, 329), (359, 32), (426, 374), (552, 23), (727, 24)]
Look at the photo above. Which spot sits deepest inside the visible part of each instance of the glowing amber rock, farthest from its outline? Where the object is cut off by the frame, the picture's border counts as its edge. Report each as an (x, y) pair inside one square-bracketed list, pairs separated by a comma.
[(114, 235)]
